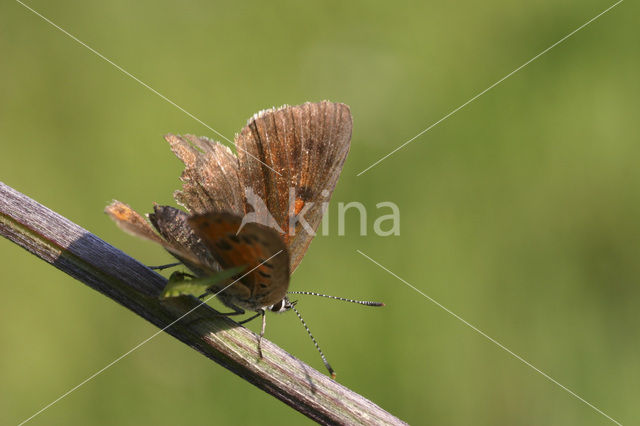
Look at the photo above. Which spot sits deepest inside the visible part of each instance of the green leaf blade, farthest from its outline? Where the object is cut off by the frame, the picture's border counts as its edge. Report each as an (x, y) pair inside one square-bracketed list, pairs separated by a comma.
[(181, 284)]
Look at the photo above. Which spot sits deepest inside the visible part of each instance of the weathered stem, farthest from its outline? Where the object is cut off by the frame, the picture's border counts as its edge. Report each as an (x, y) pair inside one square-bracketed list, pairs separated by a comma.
[(108, 270)]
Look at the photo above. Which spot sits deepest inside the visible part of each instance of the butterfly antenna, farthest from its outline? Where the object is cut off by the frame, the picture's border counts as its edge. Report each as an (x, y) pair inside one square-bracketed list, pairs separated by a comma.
[(360, 302), (324, 359)]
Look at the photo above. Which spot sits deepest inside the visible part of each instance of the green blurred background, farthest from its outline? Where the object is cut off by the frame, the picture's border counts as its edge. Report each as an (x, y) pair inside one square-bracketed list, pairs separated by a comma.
[(520, 213)]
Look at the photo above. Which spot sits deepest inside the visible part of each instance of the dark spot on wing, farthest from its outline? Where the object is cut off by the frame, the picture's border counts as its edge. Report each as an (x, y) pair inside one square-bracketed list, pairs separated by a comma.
[(264, 274), (223, 245), (267, 264), (233, 238), (263, 285), (305, 193)]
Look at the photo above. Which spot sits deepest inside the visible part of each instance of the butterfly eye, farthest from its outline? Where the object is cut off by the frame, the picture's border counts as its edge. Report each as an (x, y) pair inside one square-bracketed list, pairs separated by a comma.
[(276, 306)]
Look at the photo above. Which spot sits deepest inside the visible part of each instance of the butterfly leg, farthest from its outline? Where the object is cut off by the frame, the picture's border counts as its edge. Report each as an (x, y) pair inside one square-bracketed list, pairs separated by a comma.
[(250, 318), (167, 266), (236, 310), (264, 325)]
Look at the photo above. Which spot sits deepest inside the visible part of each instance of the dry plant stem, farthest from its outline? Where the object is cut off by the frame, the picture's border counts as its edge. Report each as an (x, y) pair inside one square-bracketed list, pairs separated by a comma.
[(108, 270)]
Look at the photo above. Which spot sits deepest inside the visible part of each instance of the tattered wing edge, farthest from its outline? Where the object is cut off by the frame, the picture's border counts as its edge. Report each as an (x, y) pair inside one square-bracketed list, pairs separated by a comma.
[(133, 223)]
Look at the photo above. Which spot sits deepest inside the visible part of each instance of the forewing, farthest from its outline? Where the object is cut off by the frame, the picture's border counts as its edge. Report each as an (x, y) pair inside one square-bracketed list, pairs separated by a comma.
[(258, 248), (301, 148), (210, 179)]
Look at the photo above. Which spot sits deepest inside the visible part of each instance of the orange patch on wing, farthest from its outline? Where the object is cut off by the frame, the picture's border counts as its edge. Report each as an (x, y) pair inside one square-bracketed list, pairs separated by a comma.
[(130, 221), (231, 248), (259, 249), (299, 205)]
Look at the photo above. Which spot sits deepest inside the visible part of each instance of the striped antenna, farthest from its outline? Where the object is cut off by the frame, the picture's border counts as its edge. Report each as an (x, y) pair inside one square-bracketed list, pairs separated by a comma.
[(324, 359), (361, 302)]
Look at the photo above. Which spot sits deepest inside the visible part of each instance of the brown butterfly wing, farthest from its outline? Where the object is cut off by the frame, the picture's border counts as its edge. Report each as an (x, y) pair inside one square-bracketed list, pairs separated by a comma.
[(131, 221), (174, 227), (210, 178), (180, 242), (306, 145), (257, 247)]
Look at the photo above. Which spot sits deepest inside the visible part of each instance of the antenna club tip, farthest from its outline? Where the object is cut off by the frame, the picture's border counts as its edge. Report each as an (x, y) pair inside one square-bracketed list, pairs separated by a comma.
[(382, 304), (333, 375)]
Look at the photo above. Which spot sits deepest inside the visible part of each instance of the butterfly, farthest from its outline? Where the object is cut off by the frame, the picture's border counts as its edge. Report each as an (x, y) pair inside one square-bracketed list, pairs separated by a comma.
[(259, 209)]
